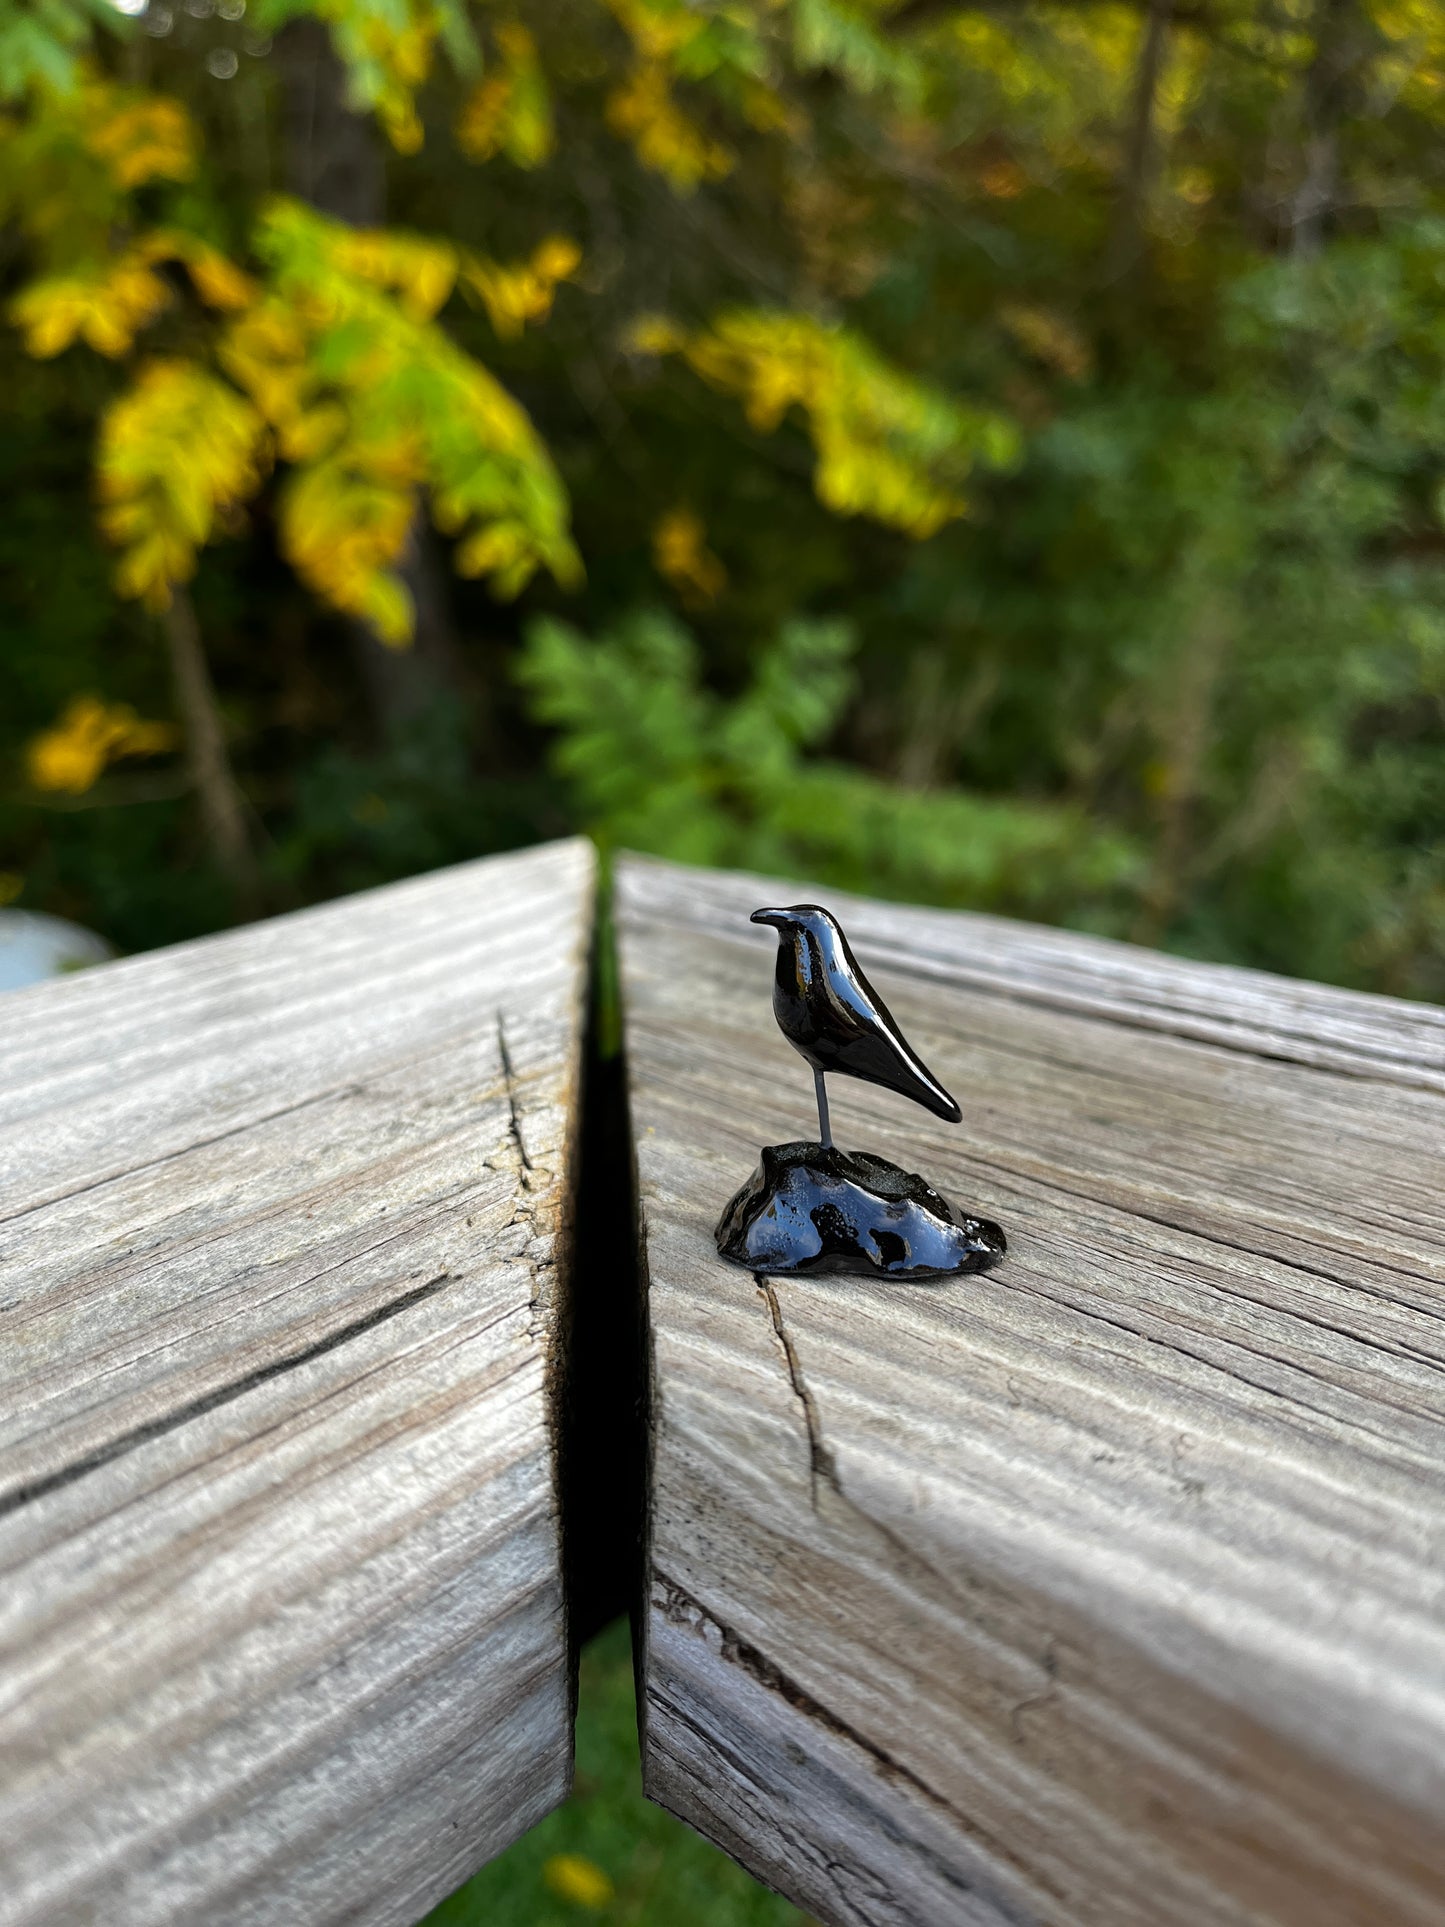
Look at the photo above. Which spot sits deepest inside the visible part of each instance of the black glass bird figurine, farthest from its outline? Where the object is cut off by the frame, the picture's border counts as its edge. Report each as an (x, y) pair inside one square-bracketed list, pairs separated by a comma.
[(812, 1207), (832, 1015)]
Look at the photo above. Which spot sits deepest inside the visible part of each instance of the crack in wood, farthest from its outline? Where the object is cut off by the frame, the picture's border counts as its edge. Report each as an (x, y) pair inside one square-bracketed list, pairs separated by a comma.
[(1047, 1692), (139, 1435), (513, 1108), (682, 1609), (524, 1214), (821, 1464)]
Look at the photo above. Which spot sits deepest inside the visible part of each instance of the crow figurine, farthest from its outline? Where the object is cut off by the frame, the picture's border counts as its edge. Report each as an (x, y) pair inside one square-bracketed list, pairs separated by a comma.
[(813, 1207), (832, 1015)]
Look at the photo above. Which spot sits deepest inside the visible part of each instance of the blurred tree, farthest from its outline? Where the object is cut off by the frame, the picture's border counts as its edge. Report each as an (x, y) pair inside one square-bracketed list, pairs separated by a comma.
[(335, 159), (1083, 355), (328, 358)]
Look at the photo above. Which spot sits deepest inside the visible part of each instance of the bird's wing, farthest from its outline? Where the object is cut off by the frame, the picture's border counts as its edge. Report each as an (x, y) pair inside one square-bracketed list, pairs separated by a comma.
[(873, 1023)]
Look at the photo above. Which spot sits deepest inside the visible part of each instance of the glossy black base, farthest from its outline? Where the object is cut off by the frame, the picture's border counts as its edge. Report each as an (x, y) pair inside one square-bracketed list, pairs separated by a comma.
[(807, 1208)]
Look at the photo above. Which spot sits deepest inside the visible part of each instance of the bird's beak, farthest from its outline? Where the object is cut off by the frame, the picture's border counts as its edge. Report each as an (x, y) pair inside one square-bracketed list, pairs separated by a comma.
[(779, 919)]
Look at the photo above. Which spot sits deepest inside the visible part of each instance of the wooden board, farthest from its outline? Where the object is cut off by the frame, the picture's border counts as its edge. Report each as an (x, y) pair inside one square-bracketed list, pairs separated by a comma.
[(282, 1212), (1108, 1587)]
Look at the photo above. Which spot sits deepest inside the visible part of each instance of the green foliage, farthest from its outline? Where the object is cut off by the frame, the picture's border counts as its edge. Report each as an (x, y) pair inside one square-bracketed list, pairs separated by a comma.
[(344, 369), (1120, 460), (412, 804), (43, 42), (855, 42), (647, 1869), (386, 48), (660, 763), (887, 446), (1254, 591), (510, 110)]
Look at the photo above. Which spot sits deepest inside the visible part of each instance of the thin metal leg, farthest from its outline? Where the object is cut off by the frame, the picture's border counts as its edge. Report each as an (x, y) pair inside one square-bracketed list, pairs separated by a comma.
[(825, 1134)]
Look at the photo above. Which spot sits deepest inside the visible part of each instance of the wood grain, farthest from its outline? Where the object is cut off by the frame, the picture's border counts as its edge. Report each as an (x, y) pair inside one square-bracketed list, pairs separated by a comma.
[(1108, 1587), (282, 1213)]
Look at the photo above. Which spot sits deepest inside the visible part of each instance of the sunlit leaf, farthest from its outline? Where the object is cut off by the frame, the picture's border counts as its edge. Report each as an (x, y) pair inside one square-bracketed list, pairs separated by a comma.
[(887, 446), (177, 450), (681, 555), (510, 110), (105, 307), (86, 738), (375, 407), (644, 110), (514, 295)]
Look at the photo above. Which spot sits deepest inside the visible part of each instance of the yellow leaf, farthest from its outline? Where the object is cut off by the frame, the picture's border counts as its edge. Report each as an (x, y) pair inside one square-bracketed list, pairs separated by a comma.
[(219, 282), (481, 128), (515, 295), (140, 138), (386, 605), (496, 548), (422, 272), (581, 1881), (654, 335), (658, 32), (11, 885), (73, 752), (105, 306), (314, 433), (264, 352), (681, 554), (374, 403), (56, 762), (887, 446), (767, 111), (403, 124), (50, 313), (556, 259), (388, 53), (642, 110), (177, 451), (510, 111), (1050, 338), (341, 529)]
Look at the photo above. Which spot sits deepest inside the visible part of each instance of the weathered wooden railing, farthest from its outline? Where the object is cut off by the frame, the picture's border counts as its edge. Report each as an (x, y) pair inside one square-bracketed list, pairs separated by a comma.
[(1106, 1588), (282, 1634)]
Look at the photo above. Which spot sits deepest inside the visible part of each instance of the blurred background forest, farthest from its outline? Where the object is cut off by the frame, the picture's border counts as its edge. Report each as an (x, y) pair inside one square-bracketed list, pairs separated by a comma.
[(987, 454)]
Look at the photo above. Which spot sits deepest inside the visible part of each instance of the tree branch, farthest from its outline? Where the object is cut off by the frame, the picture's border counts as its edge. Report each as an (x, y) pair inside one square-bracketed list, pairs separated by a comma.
[(223, 807)]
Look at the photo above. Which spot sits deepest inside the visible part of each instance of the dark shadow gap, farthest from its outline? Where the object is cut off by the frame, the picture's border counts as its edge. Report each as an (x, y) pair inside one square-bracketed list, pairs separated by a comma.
[(602, 1404)]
